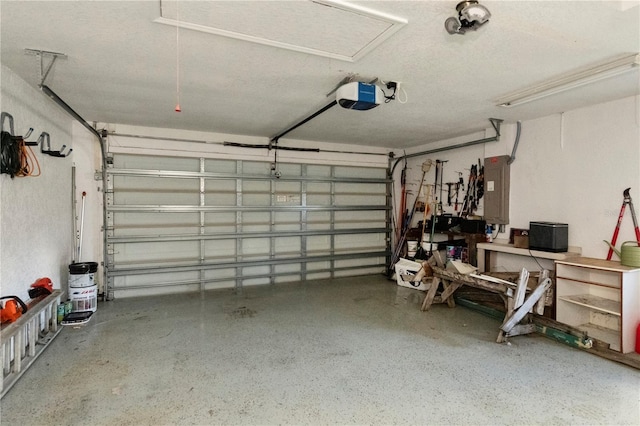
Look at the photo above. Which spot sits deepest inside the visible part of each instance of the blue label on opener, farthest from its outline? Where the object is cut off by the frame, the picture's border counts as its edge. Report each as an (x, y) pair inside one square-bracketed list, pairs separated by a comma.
[(366, 93)]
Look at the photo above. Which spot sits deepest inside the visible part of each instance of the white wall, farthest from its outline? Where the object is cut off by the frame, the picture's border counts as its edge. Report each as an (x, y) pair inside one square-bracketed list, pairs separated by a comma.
[(570, 168), (35, 212), (574, 167), (88, 162)]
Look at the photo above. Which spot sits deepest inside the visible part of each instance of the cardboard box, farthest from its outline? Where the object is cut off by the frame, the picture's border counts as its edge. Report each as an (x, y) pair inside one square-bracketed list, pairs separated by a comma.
[(516, 232), (521, 241)]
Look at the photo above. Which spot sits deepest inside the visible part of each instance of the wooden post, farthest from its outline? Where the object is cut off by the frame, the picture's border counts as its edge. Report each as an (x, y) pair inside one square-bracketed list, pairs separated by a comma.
[(511, 321)]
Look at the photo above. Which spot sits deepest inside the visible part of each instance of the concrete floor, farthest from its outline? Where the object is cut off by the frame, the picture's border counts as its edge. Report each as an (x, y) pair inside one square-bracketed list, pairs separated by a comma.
[(346, 351)]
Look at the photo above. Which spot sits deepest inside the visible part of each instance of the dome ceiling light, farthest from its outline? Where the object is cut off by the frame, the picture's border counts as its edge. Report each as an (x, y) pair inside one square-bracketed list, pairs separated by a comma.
[(471, 16)]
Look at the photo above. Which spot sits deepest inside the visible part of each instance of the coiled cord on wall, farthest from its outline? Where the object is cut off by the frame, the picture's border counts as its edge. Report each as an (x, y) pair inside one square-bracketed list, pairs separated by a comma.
[(16, 158)]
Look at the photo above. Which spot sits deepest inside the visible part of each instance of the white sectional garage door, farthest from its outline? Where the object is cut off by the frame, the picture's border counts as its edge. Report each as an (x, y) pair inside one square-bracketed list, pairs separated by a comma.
[(187, 224)]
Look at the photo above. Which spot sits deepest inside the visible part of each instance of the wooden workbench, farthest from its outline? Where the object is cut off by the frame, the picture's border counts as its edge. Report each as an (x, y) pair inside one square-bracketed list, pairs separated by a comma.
[(486, 262)]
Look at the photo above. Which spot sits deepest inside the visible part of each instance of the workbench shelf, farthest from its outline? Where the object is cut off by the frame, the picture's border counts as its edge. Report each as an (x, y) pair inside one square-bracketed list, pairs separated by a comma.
[(600, 297), (594, 302)]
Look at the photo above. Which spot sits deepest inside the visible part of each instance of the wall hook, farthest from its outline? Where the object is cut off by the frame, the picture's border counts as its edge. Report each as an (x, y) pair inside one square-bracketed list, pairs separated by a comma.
[(9, 117), (30, 143), (45, 148)]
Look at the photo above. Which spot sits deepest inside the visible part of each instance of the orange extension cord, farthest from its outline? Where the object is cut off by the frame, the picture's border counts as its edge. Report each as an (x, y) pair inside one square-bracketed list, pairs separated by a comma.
[(29, 165)]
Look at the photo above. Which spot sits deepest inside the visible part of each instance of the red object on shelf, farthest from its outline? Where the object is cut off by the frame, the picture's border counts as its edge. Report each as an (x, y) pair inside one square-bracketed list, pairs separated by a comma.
[(638, 339), (44, 282)]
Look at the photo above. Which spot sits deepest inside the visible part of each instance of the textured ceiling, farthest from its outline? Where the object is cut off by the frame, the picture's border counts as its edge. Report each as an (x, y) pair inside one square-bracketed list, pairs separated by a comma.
[(121, 66)]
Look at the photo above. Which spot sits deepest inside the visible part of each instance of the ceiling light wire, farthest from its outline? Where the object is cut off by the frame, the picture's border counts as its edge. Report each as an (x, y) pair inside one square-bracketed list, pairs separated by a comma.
[(400, 98)]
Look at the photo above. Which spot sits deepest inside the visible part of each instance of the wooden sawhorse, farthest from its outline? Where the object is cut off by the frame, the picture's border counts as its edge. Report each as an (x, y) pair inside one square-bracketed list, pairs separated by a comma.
[(518, 303)]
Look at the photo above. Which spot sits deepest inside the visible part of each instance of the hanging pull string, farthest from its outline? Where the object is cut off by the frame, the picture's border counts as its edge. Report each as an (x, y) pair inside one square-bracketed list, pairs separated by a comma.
[(178, 57)]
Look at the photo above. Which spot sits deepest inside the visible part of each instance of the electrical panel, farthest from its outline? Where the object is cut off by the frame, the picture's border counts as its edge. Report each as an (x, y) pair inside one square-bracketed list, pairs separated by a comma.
[(496, 189)]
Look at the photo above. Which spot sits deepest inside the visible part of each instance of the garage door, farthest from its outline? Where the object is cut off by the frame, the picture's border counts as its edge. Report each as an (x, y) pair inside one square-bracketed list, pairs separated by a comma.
[(187, 224)]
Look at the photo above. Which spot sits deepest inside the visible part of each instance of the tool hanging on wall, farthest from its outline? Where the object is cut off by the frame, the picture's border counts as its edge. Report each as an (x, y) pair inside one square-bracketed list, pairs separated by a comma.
[(440, 209), (475, 190), (435, 183), (480, 182), (459, 186), (403, 201), (449, 193), (467, 205), (625, 202)]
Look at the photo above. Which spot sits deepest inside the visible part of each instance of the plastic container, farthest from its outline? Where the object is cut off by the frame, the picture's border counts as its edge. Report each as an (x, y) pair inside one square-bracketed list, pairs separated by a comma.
[(429, 247), (82, 274), (412, 248), (630, 254), (84, 298), (60, 312)]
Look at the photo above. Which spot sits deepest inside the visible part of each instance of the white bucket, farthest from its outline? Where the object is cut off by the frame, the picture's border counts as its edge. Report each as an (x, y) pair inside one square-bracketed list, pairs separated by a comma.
[(429, 247), (81, 280), (84, 298), (412, 248)]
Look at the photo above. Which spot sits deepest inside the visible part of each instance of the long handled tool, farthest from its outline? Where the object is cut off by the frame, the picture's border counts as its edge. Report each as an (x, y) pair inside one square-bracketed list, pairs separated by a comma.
[(403, 237), (626, 201), (469, 199), (403, 201), (84, 195)]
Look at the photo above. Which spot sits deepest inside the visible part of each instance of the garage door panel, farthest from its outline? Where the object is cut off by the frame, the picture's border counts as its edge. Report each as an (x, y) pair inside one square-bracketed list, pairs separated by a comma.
[(222, 275), (212, 165), (157, 253), (155, 162), (318, 221), (286, 221), (147, 190), (220, 249), (359, 219), (154, 224), (256, 193), (222, 222), (220, 192), (255, 221), (359, 172), (194, 223)]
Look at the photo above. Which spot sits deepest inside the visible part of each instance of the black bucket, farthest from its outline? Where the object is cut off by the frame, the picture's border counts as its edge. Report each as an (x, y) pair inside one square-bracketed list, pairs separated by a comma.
[(81, 274), (83, 268)]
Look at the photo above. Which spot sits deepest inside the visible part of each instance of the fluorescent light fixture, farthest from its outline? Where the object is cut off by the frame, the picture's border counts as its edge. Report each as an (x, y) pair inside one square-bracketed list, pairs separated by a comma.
[(570, 81)]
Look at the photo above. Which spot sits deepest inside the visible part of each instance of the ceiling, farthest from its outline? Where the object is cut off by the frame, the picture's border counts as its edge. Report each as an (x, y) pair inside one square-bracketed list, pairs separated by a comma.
[(122, 67)]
